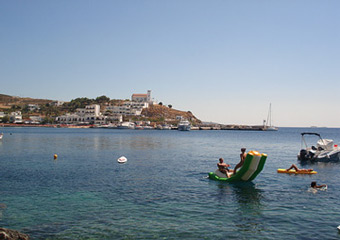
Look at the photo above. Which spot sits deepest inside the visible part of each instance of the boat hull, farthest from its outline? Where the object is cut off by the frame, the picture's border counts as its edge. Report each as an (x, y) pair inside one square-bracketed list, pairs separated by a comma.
[(324, 156), (184, 128)]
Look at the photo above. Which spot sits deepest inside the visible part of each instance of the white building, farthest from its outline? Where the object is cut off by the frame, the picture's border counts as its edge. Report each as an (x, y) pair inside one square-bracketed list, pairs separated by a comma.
[(57, 103), (87, 115), (138, 97), (35, 119), (15, 117), (32, 107), (128, 108)]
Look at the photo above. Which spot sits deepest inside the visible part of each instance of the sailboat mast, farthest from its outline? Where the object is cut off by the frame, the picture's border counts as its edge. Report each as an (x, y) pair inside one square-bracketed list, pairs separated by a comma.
[(269, 118)]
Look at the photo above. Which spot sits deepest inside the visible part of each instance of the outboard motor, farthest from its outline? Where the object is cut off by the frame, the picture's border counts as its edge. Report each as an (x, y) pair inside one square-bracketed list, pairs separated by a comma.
[(303, 155)]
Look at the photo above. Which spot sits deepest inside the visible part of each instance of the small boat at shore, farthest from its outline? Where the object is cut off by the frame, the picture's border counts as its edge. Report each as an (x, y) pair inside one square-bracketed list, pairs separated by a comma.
[(126, 125), (184, 125), (325, 150)]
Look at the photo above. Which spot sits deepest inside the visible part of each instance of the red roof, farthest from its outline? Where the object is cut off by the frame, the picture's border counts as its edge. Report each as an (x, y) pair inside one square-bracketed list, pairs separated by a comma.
[(139, 95)]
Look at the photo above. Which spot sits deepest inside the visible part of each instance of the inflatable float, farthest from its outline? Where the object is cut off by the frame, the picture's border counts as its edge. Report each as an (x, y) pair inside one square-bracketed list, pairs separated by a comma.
[(253, 165), (293, 171), (122, 159)]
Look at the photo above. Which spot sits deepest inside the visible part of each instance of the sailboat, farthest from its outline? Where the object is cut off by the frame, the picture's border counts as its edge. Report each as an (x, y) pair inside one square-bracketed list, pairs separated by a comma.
[(268, 124)]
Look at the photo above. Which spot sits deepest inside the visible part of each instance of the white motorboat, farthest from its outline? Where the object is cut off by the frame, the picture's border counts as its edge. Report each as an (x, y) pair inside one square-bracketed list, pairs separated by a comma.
[(126, 125), (163, 127), (166, 127), (268, 124), (325, 150), (184, 125), (1, 135)]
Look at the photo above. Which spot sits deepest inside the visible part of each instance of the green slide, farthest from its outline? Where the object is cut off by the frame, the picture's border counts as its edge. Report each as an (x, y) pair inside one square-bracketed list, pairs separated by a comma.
[(253, 165)]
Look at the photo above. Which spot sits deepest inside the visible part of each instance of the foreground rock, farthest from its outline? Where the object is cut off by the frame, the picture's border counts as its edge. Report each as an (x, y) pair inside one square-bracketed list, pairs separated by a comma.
[(8, 234)]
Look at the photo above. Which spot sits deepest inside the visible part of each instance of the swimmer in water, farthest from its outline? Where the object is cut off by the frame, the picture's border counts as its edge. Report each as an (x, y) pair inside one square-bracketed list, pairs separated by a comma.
[(313, 185)]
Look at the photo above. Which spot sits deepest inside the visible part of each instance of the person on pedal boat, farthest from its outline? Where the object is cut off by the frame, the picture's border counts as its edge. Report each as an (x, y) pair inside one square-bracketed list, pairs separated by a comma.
[(224, 167), (243, 156)]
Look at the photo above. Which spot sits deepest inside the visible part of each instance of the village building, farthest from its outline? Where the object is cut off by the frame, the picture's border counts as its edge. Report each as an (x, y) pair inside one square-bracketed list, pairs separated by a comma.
[(33, 107), (57, 103), (15, 117), (88, 115)]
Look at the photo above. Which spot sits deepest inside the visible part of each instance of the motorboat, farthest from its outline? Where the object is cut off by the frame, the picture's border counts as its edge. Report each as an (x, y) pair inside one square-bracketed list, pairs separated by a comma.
[(148, 128), (166, 127), (1, 135), (325, 150), (126, 125), (163, 127), (184, 125)]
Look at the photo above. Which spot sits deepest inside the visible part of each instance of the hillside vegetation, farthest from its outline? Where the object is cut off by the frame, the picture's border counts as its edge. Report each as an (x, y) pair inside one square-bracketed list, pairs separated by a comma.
[(7, 101)]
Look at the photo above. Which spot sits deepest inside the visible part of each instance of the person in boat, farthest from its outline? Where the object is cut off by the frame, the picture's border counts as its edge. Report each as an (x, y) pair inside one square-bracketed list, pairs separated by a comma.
[(313, 185), (243, 155), (298, 169), (224, 167)]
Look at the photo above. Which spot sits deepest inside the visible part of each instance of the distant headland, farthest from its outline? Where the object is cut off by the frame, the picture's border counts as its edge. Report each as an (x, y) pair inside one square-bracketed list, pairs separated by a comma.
[(140, 109)]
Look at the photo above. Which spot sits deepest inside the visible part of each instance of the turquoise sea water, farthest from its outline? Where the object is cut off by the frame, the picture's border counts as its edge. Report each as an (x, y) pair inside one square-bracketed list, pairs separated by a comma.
[(162, 191)]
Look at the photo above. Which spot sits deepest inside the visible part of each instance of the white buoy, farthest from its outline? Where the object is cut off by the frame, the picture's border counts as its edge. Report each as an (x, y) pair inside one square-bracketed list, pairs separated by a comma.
[(122, 159)]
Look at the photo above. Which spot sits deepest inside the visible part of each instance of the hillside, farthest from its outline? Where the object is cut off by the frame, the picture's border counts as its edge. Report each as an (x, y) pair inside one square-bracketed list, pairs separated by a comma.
[(153, 113), (7, 101), (169, 114)]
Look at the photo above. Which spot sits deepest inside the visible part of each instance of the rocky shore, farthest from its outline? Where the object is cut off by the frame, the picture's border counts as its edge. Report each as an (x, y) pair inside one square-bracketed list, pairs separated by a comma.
[(8, 234)]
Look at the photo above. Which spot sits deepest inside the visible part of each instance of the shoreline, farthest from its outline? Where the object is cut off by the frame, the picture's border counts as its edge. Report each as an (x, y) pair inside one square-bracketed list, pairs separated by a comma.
[(205, 128)]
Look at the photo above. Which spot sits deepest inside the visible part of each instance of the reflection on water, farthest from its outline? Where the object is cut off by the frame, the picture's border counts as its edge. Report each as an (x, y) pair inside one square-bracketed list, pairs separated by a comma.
[(248, 211)]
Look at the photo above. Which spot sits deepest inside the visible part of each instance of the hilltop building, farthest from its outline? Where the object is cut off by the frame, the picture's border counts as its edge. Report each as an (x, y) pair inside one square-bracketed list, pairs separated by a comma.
[(134, 107), (138, 97)]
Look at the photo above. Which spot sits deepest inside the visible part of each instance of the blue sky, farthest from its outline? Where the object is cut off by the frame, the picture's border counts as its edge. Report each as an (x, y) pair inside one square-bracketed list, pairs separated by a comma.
[(225, 61)]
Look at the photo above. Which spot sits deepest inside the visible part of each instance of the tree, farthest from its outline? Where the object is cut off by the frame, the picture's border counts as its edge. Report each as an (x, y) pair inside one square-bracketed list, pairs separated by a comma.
[(15, 108), (160, 103), (5, 119), (170, 106), (102, 99)]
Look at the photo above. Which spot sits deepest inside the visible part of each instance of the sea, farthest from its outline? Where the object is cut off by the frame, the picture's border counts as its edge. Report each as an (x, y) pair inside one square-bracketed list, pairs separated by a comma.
[(162, 191)]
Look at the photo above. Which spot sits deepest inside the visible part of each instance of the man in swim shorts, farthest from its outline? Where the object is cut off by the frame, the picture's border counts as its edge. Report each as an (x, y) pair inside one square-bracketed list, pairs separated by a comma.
[(223, 167), (243, 155)]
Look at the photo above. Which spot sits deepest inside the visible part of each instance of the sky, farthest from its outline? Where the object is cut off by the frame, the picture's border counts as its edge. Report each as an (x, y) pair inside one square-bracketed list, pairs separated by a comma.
[(223, 60)]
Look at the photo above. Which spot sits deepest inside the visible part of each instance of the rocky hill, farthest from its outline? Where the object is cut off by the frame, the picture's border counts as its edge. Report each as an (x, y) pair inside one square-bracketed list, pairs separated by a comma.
[(168, 114)]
